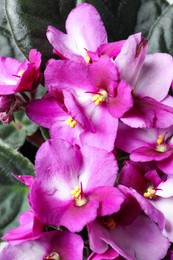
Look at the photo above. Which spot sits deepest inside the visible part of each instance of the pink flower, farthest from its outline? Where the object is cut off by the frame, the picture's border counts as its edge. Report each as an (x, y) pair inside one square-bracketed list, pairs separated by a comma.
[(73, 185), (50, 245), (148, 145), (16, 76), (151, 77), (86, 37)]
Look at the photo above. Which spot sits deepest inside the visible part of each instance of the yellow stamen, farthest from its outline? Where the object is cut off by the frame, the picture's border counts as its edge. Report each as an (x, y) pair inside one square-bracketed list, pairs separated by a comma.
[(160, 139), (71, 122), (20, 73), (80, 200), (161, 145), (150, 193), (76, 192), (87, 57), (53, 256), (100, 97)]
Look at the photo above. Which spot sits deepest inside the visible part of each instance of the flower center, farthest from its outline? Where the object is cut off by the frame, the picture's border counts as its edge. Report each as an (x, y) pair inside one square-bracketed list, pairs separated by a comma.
[(109, 222), (78, 196), (20, 73), (53, 256), (150, 193), (161, 145), (100, 97), (71, 122)]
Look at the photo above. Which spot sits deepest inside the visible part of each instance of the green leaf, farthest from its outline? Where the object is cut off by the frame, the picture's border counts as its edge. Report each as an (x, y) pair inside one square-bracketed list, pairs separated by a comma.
[(119, 16), (161, 34), (11, 135), (24, 123), (29, 20), (12, 192), (15, 133), (148, 13), (45, 133)]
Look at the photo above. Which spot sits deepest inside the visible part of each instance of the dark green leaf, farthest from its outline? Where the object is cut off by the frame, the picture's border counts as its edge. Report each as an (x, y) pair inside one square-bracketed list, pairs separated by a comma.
[(148, 13), (119, 16), (24, 124), (12, 192), (29, 20), (161, 34), (45, 133), (10, 134)]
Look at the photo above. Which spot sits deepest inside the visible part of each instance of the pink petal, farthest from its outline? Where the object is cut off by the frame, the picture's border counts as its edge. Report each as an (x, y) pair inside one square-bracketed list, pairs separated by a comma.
[(155, 77), (132, 56), (86, 27)]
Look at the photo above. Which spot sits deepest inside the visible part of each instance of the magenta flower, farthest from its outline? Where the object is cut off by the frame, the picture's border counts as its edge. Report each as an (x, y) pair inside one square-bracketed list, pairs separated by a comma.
[(73, 186), (86, 37), (53, 114), (16, 76), (109, 254), (129, 232), (148, 145), (29, 229), (151, 77), (98, 93), (51, 245), (157, 189)]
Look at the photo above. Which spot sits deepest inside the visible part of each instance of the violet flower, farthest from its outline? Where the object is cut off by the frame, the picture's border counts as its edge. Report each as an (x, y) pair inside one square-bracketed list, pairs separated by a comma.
[(86, 37), (148, 145), (131, 230), (51, 245), (151, 77), (73, 186), (16, 76), (97, 92)]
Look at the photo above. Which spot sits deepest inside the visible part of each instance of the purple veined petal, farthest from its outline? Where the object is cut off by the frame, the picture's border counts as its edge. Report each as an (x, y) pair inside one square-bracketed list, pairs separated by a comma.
[(86, 27), (41, 248), (132, 56), (109, 254), (148, 113), (99, 168), (155, 77)]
